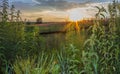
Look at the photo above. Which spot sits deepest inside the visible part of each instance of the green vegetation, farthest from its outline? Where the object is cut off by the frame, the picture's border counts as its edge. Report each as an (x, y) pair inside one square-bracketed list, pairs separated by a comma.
[(94, 51)]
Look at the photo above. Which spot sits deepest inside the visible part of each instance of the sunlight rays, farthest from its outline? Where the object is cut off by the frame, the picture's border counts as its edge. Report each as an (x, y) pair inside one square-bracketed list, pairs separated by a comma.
[(67, 26), (75, 26), (74, 17)]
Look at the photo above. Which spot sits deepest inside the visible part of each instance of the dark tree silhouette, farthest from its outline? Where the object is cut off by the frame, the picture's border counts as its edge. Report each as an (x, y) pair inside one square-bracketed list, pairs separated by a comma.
[(38, 20)]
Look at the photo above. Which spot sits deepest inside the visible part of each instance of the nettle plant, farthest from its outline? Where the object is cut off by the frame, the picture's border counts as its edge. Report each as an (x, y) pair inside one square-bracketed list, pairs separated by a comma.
[(101, 54), (11, 33), (8, 13)]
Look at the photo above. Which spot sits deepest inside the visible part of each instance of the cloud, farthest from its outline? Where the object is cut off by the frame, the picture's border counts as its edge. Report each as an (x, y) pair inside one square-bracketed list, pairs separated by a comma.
[(29, 7), (56, 9), (22, 6), (66, 4), (54, 5), (59, 4)]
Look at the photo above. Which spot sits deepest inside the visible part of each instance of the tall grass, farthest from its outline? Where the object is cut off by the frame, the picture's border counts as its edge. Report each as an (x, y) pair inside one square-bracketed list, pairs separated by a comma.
[(102, 45), (21, 51), (47, 63), (41, 64), (11, 37)]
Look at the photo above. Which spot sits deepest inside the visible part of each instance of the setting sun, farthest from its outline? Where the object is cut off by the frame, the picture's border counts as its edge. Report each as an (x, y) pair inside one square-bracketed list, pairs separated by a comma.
[(75, 15)]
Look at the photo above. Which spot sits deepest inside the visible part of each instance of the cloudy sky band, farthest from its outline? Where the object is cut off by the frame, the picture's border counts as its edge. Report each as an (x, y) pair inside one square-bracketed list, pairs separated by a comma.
[(55, 8)]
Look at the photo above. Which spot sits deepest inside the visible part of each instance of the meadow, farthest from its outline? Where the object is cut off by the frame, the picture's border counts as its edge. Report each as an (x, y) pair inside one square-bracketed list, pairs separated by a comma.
[(25, 49)]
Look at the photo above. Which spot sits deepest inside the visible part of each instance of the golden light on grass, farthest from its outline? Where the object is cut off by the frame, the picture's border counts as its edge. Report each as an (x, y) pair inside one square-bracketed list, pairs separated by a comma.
[(76, 26)]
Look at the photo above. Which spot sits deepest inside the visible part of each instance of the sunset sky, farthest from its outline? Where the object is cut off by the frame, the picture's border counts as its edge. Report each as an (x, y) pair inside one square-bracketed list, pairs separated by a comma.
[(57, 10)]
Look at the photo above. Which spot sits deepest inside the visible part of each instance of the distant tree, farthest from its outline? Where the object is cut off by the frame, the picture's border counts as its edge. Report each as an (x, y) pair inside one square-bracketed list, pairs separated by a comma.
[(38, 20), (28, 22)]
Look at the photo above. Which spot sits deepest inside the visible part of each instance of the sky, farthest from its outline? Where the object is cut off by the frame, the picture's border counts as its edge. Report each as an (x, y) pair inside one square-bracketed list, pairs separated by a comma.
[(57, 10)]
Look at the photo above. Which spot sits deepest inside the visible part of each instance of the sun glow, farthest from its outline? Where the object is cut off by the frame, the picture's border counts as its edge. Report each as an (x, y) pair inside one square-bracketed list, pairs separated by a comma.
[(75, 15)]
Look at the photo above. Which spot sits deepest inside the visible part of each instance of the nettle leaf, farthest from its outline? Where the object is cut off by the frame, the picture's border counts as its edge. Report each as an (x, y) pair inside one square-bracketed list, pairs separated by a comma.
[(87, 42), (1, 13), (102, 15), (98, 7)]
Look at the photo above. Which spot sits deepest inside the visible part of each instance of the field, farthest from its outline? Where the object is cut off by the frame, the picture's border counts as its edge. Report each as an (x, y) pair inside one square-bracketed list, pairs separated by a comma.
[(82, 47)]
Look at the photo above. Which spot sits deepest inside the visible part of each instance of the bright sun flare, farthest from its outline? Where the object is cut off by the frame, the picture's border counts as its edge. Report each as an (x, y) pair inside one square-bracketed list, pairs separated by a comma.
[(75, 15)]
